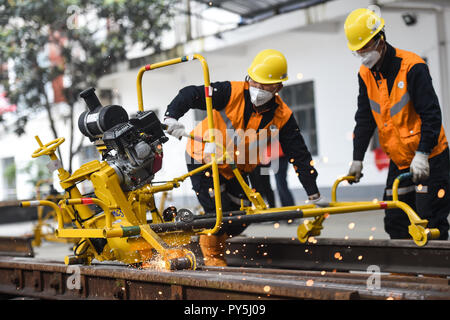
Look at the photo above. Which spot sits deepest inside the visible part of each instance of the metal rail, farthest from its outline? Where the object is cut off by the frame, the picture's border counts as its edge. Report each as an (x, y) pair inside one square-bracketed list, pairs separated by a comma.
[(286, 269), (399, 256), (49, 280), (16, 246)]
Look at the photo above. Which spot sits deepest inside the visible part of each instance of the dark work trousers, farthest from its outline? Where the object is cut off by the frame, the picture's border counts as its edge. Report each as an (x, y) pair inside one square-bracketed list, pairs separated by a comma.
[(261, 183), (231, 193), (430, 198), (285, 194)]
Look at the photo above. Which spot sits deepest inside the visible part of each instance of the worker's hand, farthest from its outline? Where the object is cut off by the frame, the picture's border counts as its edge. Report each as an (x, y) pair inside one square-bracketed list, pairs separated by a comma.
[(355, 171), (420, 168), (319, 200), (174, 127)]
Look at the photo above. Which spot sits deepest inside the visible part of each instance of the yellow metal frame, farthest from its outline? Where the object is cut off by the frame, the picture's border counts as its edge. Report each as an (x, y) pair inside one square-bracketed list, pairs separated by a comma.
[(123, 227), (208, 97), (45, 220), (130, 241), (417, 229)]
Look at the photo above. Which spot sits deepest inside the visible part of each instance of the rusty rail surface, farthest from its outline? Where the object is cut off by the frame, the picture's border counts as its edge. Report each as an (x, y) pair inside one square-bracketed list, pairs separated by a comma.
[(259, 268), (27, 277), (16, 246)]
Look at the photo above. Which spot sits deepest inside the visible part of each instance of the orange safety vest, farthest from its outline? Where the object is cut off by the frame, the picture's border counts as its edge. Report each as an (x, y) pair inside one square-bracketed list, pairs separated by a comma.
[(246, 145), (398, 123)]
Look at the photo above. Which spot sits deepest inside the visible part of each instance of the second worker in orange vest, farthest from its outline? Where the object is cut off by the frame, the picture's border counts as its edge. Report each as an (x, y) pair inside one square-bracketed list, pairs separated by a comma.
[(396, 95), (245, 113)]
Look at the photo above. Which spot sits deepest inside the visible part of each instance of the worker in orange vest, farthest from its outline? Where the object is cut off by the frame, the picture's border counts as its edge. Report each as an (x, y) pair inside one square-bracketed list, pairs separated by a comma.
[(244, 112), (396, 95)]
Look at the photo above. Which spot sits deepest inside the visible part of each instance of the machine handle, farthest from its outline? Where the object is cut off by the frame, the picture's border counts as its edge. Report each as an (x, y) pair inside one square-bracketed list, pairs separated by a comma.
[(350, 180), (404, 176), (209, 110)]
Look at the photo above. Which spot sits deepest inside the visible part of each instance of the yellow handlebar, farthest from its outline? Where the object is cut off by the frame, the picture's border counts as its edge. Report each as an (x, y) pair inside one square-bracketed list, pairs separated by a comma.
[(209, 110), (336, 183), (168, 63), (47, 203)]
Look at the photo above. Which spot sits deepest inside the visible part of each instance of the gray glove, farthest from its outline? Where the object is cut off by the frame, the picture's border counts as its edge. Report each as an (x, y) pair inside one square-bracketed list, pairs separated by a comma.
[(319, 200), (355, 170), (174, 127), (420, 168)]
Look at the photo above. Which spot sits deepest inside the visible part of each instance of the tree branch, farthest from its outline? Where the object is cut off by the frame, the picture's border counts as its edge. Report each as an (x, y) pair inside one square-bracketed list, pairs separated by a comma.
[(48, 108), (71, 137)]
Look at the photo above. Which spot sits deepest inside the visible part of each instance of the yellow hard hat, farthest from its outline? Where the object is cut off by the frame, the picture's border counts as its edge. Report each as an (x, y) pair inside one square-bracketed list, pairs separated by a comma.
[(361, 26), (269, 66)]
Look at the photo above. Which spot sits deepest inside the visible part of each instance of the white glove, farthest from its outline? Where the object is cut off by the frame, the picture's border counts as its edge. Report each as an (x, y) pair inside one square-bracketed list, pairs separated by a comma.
[(319, 200), (420, 168), (356, 170), (174, 127)]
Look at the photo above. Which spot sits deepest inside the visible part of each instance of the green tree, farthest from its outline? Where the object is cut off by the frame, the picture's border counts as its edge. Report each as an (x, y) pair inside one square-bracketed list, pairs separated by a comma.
[(36, 170), (10, 174), (91, 37)]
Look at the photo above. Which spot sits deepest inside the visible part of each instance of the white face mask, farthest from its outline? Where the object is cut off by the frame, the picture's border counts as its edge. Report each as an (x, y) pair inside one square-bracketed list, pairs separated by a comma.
[(259, 96), (369, 59)]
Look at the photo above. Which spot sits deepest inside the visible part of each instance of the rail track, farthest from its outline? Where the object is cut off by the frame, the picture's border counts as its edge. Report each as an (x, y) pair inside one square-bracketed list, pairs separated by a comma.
[(50, 280), (322, 254), (259, 269)]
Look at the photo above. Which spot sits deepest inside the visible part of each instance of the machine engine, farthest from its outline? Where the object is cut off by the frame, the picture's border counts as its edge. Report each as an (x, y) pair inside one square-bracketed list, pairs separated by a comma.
[(133, 147)]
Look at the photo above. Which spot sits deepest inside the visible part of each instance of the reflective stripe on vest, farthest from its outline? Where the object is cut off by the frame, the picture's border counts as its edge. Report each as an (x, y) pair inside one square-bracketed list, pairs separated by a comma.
[(374, 106), (396, 108)]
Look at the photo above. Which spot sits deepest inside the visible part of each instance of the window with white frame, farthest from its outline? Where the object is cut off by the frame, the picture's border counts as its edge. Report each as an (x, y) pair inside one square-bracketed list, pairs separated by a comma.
[(300, 99), (9, 178)]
